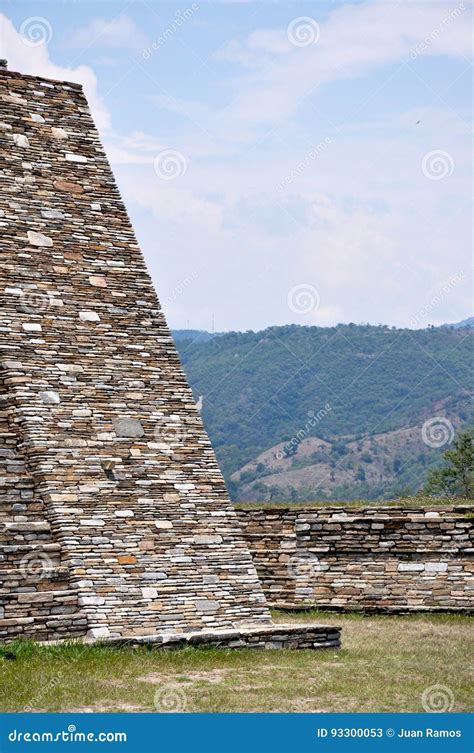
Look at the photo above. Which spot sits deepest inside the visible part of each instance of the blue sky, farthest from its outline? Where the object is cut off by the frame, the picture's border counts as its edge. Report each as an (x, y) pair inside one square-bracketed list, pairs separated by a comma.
[(281, 161)]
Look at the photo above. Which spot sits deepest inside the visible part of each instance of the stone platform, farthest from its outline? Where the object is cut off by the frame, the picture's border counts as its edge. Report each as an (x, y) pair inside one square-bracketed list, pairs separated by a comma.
[(291, 636)]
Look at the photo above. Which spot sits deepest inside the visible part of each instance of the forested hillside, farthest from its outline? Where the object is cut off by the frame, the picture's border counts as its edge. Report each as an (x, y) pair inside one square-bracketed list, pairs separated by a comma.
[(343, 385)]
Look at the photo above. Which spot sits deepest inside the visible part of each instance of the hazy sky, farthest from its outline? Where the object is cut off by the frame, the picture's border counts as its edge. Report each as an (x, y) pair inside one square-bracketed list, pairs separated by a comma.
[(282, 162)]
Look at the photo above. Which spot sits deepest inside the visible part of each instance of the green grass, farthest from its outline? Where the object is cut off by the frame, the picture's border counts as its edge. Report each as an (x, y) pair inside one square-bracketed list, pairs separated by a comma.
[(415, 501), (385, 665)]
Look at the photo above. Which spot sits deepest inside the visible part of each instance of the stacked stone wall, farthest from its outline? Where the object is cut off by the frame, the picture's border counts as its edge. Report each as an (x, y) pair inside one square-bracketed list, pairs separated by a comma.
[(386, 559)]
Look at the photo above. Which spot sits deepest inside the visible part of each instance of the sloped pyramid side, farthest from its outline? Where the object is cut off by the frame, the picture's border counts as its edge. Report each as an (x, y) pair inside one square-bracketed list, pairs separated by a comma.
[(122, 472)]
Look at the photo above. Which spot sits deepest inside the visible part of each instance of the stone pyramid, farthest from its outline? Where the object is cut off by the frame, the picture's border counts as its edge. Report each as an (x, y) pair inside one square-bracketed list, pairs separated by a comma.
[(115, 518)]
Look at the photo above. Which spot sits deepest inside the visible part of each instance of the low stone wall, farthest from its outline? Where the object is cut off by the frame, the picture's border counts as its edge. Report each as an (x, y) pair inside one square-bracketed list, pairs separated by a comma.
[(373, 559), (302, 636)]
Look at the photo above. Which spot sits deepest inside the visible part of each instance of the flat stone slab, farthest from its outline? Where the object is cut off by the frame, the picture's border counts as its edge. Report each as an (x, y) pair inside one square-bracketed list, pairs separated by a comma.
[(292, 636)]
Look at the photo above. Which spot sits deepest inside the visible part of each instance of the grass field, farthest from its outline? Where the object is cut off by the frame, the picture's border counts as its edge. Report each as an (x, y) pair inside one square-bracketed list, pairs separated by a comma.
[(387, 663)]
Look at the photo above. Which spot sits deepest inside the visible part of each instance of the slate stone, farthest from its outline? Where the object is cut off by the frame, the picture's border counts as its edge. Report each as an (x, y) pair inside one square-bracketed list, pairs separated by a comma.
[(89, 316), (128, 427), (207, 605), (49, 397), (39, 239), (20, 139)]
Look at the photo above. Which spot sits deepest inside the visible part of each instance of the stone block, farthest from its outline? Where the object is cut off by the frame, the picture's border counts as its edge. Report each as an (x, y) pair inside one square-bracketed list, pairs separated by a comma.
[(128, 427), (19, 139), (50, 397), (207, 605), (89, 316), (39, 239), (126, 559)]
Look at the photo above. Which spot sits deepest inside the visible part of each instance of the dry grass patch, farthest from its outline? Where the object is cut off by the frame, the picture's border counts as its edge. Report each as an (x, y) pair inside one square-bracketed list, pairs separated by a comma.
[(415, 501)]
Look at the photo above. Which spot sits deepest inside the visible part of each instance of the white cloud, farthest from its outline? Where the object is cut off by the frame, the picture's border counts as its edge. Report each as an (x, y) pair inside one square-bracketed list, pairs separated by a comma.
[(354, 40), (121, 32), (360, 222), (34, 60), (273, 77)]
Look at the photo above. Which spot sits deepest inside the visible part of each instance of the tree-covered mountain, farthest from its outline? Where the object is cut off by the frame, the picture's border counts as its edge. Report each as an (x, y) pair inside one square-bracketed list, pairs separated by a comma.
[(195, 335), (469, 322), (345, 384)]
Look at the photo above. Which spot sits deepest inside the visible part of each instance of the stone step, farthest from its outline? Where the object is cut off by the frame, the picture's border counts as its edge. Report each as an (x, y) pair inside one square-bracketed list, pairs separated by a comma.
[(30, 546), (40, 597), (42, 627), (35, 574), (24, 526)]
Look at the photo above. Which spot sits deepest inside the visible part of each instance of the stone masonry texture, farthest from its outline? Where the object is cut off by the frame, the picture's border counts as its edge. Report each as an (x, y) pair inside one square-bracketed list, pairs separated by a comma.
[(375, 559), (114, 516)]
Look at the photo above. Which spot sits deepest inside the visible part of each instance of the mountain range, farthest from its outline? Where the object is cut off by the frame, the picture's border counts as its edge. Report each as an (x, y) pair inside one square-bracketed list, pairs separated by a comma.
[(299, 413)]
